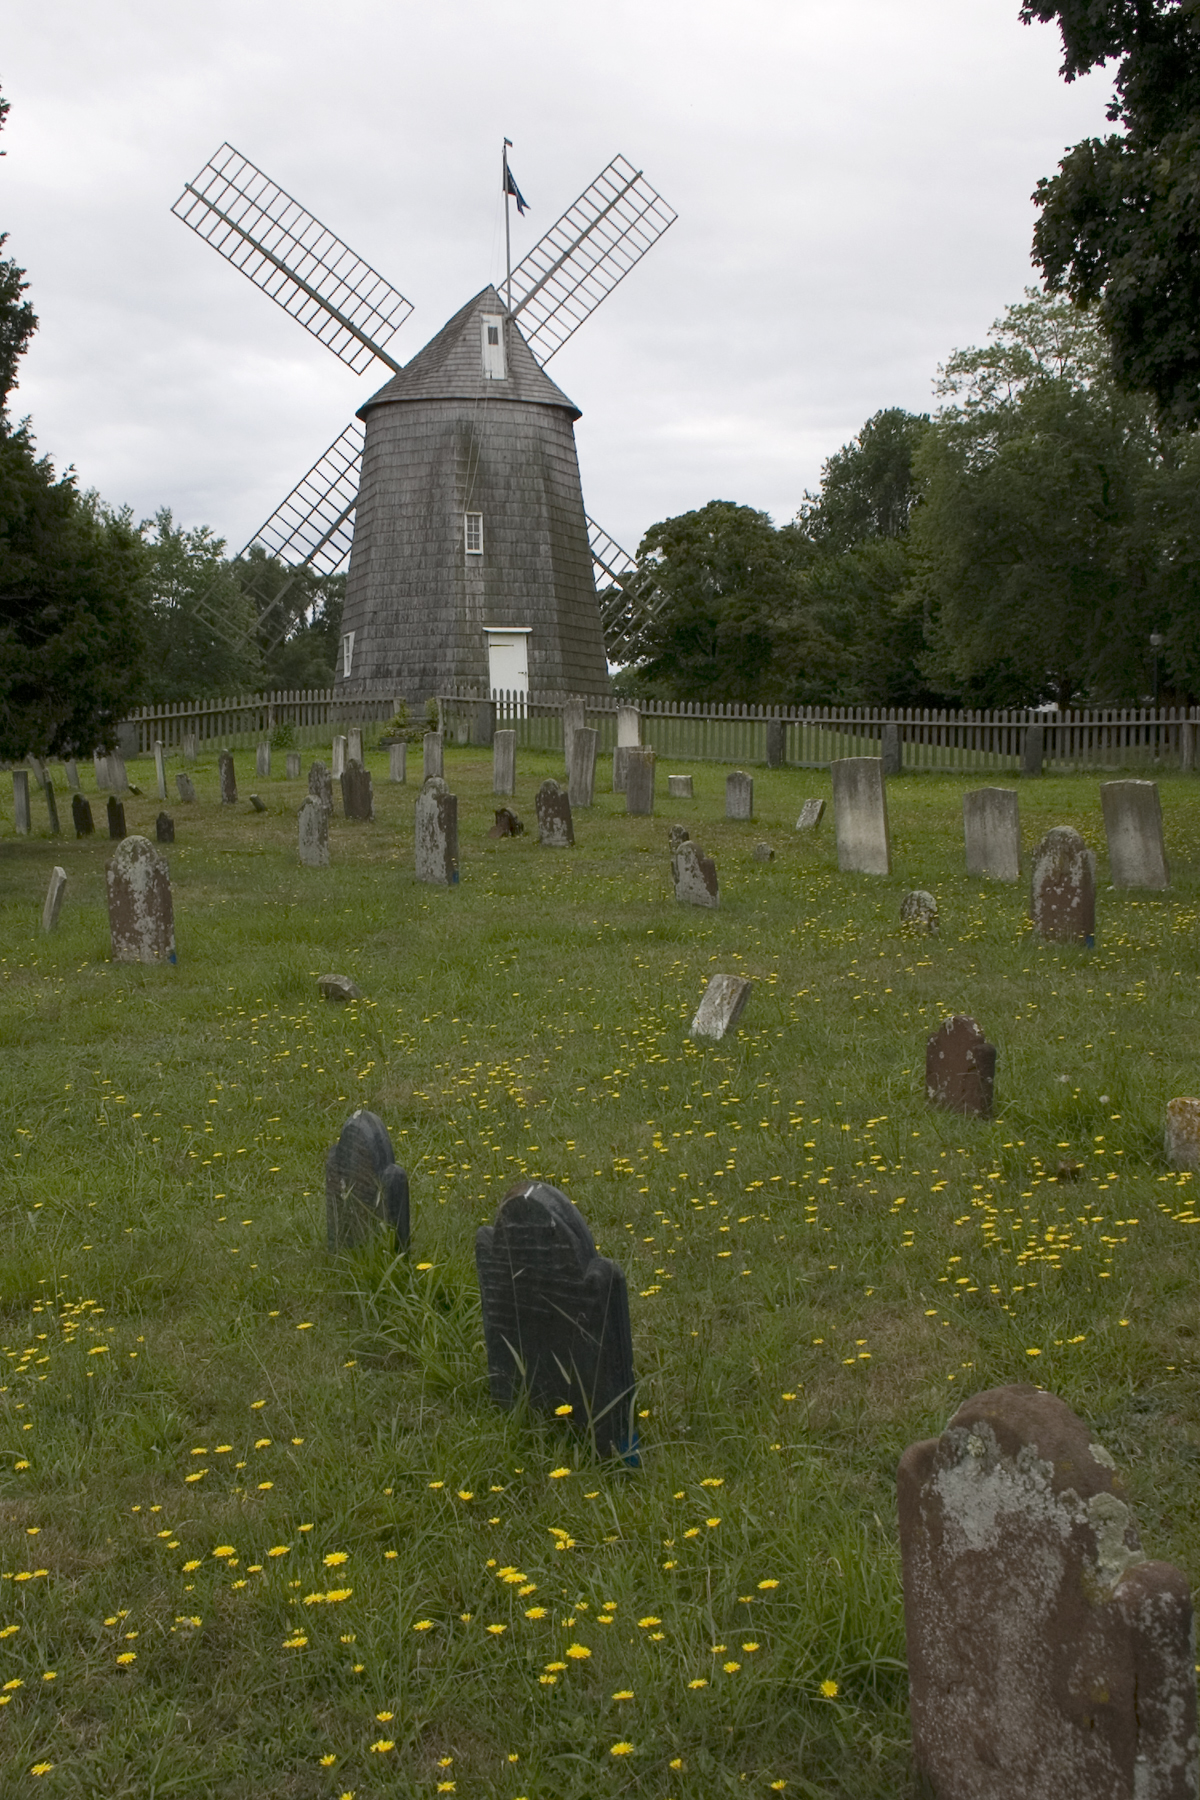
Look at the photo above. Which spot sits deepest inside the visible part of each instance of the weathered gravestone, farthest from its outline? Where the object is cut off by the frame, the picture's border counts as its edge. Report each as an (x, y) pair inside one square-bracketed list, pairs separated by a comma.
[(481, 723), (100, 769), (164, 828), (435, 833), (678, 834), (555, 829), (141, 918), (919, 912), (258, 803), (292, 765), (1137, 856), (312, 823), (776, 729), (81, 814), (160, 769), (739, 795), (556, 1317), (228, 778), (694, 876), (72, 769), (320, 785), (1182, 1136), (186, 789), (54, 899), (398, 762), (116, 818), (262, 760), (890, 753), (507, 824), (860, 815), (574, 718), (1047, 1659), (960, 1069), (337, 757), (811, 814), (338, 988), (189, 746), (364, 1188), (763, 853), (722, 1006), (992, 833), (1062, 895), (51, 807), (433, 751), (1033, 749), (581, 766), (21, 814), (358, 798), (621, 757), (629, 726), (118, 780), (354, 744), (504, 762), (639, 781), (679, 787)]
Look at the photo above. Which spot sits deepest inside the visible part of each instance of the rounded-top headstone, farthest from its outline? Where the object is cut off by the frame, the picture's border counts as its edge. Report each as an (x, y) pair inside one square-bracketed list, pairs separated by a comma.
[(1062, 898), (141, 917)]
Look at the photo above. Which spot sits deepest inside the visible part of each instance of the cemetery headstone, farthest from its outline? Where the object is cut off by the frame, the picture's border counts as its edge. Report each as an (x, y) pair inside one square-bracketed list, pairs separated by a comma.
[(81, 813), (187, 791), (890, 754), (556, 1317), (116, 818), (52, 807), (354, 745), (337, 758), (1182, 1136), (919, 912), (118, 780), (860, 815), (621, 766), (320, 785), (1047, 1658), (164, 828), (358, 797), (694, 876), (72, 769), (811, 814), (776, 729), (504, 762), (292, 765), (189, 746), (1062, 900), (364, 1188), (507, 824), (763, 853), (1137, 856), (481, 727), (258, 803), (960, 1069), (679, 787), (581, 768), (722, 1006), (228, 778), (54, 899), (629, 725), (313, 833), (574, 718), (639, 781), (21, 816), (398, 761), (739, 795), (338, 987), (992, 833), (100, 769), (160, 769), (1033, 749), (435, 834), (678, 834), (555, 828), (433, 747), (141, 918), (262, 760)]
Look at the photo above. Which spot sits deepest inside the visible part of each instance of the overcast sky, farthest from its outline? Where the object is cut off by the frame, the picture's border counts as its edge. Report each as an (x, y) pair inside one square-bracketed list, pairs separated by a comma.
[(853, 186)]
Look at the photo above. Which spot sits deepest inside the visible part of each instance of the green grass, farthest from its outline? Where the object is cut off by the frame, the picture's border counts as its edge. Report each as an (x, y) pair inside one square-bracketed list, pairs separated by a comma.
[(819, 1268)]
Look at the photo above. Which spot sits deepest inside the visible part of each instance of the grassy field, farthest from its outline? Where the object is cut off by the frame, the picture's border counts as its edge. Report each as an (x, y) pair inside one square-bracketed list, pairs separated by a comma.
[(261, 1530)]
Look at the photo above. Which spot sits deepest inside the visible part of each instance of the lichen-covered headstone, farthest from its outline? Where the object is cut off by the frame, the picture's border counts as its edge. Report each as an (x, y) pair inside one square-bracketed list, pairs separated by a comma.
[(679, 787), (433, 750), (992, 833), (763, 853), (739, 795), (81, 815), (555, 828), (435, 833), (54, 899), (338, 988), (22, 819), (581, 766), (919, 912), (164, 828), (960, 1068), (639, 780), (811, 814), (292, 765), (678, 834), (141, 918), (116, 818), (1062, 897), (556, 1317), (186, 789), (320, 785), (228, 778), (1182, 1135), (364, 1188), (860, 815), (1047, 1658), (312, 829), (262, 760), (504, 762), (358, 798), (337, 757), (1137, 856), (694, 876), (722, 1006), (507, 824)]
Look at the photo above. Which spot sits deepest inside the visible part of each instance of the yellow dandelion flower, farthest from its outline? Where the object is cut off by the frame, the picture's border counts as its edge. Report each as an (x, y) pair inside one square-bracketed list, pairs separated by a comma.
[(224, 1550), (189, 1566), (127, 1656), (621, 1749), (712, 1523), (50, 1675), (278, 1550), (42, 1768), (557, 1474), (701, 1681), (749, 1648), (713, 1481), (466, 1494), (547, 1680), (577, 1652), (334, 1558), (777, 1787), (437, 1484), (381, 1746), (295, 1643), (768, 1584), (731, 1668), (423, 1625), (447, 1787), (1033, 1353), (562, 1412), (497, 1629), (556, 1665), (16, 1682), (829, 1689), (262, 1443), (535, 1612), (384, 1717), (623, 1694), (327, 1762), (649, 1620)]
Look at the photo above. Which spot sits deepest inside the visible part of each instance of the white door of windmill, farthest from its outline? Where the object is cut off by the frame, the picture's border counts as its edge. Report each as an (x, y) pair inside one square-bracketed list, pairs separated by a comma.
[(508, 659)]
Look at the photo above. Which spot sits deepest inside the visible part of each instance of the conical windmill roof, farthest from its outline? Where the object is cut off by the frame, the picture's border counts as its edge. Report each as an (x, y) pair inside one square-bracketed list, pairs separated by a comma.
[(450, 367)]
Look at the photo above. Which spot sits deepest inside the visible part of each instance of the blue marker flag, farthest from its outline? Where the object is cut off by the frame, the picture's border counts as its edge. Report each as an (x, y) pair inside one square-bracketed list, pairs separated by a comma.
[(512, 188)]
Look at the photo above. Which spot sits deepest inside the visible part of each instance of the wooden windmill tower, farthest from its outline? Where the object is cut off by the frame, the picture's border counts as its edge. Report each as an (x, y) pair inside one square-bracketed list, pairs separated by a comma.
[(459, 509)]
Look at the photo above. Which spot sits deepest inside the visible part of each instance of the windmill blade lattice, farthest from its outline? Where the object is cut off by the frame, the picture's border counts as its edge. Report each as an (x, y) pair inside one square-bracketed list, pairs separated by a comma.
[(582, 258), (313, 527), (628, 600), (295, 259)]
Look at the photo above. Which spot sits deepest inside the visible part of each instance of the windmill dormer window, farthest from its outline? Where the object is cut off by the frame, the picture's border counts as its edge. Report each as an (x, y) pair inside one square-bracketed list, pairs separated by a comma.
[(492, 336), (473, 533), (347, 653)]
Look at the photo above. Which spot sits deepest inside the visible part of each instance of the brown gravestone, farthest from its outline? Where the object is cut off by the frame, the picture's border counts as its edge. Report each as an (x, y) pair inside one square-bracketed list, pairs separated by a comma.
[(116, 818), (357, 796), (1047, 1659), (81, 813), (1062, 899), (228, 778), (555, 828), (164, 828), (141, 919), (507, 823), (960, 1068)]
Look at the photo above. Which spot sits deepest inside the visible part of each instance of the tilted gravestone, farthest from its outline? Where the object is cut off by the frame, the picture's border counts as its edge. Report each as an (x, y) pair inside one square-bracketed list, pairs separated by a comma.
[(860, 815), (776, 730), (919, 912), (186, 789), (504, 762), (358, 798), (629, 726), (507, 824), (398, 762), (354, 744), (1137, 856), (679, 787), (639, 781), (574, 718), (258, 803), (54, 899), (160, 769), (364, 1188), (555, 828), (292, 765), (228, 778), (678, 834), (100, 769), (960, 1069), (739, 795), (435, 834), (890, 753), (116, 818), (694, 876), (22, 820), (1062, 894), (52, 807), (312, 827), (141, 918), (72, 769), (262, 760), (1033, 750), (320, 785), (338, 988), (556, 1317), (118, 780), (581, 767), (722, 1006), (1182, 1135), (1047, 1658), (337, 757), (81, 814), (811, 814), (433, 746), (164, 828), (189, 746), (992, 833), (481, 723)]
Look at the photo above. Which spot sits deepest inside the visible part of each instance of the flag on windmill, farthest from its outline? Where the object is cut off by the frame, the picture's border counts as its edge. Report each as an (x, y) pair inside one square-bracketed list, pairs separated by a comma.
[(510, 187)]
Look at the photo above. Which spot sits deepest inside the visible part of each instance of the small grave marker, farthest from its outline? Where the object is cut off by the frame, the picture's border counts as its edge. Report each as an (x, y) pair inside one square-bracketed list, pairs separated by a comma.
[(21, 815), (919, 912), (358, 798), (504, 762), (694, 876), (629, 726), (262, 760), (1137, 856), (354, 744), (1182, 1136), (81, 814), (679, 787), (141, 918), (258, 803), (860, 815), (1062, 895), (312, 823), (72, 771), (435, 834), (555, 828), (364, 1188), (292, 765), (398, 762), (581, 766), (811, 814), (320, 785), (160, 769), (621, 766), (739, 795), (890, 753), (338, 988), (54, 898), (574, 718), (228, 778), (187, 791), (960, 1069), (118, 780), (433, 750), (116, 818), (678, 834), (337, 758), (52, 807), (164, 828), (763, 853), (722, 1006), (992, 833), (507, 824), (639, 781), (1033, 750), (776, 737), (189, 746)]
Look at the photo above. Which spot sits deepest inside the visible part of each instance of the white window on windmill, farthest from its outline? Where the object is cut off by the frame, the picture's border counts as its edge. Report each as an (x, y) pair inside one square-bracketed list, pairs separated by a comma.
[(492, 338), (473, 533), (347, 654)]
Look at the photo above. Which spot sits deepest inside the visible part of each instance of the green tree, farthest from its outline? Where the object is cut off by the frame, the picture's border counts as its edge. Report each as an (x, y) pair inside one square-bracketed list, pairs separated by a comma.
[(199, 622), (299, 619), (866, 486)]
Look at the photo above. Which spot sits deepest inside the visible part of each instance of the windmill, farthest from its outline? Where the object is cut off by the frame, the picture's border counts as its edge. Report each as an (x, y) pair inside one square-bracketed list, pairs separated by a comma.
[(454, 493)]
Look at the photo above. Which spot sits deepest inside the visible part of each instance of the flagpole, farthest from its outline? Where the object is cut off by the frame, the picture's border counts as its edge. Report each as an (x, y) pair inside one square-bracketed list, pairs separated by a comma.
[(507, 225)]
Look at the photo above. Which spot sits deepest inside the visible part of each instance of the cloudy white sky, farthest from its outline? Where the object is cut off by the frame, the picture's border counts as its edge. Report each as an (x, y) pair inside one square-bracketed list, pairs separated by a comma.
[(852, 179)]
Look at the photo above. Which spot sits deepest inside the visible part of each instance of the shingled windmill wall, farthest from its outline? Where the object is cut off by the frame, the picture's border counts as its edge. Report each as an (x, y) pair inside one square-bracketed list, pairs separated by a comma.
[(441, 441)]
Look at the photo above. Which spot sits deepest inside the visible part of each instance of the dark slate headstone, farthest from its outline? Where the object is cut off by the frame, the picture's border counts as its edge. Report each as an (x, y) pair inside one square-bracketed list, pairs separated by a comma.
[(507, 823), (358, 800), (1033, 750), (81, 813), (639, 779), (116, 818), (22, 819), (320, 785), (228, 778), (164, 828), (1062, 895), (555, 827), (258, 803), (363, 1186), (52, 807), (889, 749), (775, 741), (556, 1316), (1047, 1659), (960, 1068)]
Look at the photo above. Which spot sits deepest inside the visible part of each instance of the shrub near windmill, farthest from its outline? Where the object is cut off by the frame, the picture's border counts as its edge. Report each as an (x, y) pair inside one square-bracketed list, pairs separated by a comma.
[(459, 506)]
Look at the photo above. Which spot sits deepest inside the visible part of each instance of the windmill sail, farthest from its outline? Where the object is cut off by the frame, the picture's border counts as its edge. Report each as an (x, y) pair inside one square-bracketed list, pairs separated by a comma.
[(582, 258), (628, 601), (295, 259)]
